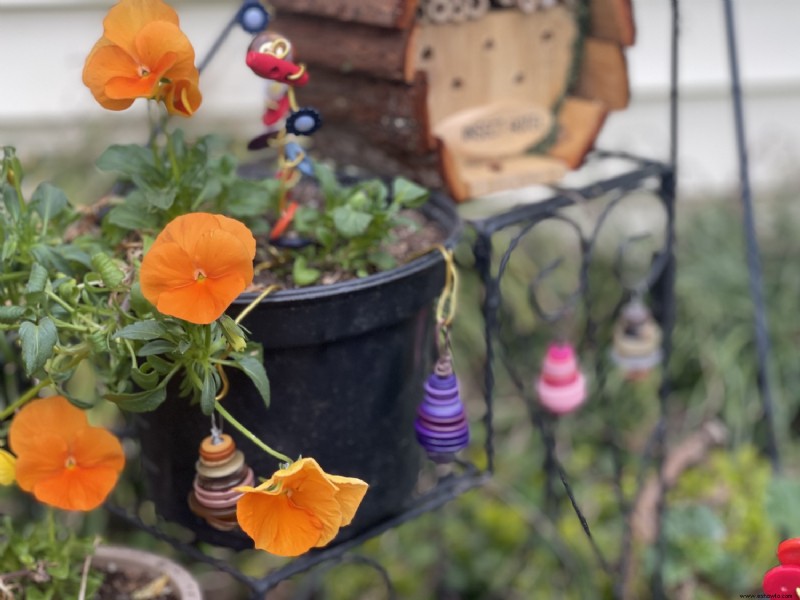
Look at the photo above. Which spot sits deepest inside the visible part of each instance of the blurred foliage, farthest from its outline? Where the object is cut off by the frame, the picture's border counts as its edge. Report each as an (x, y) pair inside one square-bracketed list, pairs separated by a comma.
[(518, 537)]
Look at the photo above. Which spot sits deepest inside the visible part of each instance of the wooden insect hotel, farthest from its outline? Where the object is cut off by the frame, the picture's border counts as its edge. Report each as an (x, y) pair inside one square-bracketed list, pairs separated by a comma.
[(474, 95)]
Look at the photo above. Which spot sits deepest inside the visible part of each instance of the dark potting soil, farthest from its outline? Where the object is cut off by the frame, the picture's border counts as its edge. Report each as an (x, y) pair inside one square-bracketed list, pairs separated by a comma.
[(121, 584), (408, 242)]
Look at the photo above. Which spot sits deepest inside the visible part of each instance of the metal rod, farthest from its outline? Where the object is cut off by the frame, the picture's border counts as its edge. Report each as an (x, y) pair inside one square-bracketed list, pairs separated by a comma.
[(755, 273)]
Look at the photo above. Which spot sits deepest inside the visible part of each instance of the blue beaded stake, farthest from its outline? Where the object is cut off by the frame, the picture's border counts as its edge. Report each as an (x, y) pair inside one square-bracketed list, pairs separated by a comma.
[(253, 17)]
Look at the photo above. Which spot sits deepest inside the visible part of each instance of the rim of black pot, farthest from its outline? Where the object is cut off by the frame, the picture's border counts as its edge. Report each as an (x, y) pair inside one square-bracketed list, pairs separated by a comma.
[(439, 203)]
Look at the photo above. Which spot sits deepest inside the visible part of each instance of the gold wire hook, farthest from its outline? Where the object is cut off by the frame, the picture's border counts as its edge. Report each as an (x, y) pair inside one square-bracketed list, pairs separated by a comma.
[(226, 385)]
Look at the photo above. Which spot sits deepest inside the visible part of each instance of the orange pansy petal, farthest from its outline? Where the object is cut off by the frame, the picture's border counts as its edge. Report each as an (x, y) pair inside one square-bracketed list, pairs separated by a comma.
[(166, 266), (349, 495), (125, 19), (220, 254), (104, 63), (43, 460), (311, 490), (182, 97), (96, 448), (276, 524), (54, 415), (76, 489), (161, 46), (130, 88), (201, 302), (188, 229)]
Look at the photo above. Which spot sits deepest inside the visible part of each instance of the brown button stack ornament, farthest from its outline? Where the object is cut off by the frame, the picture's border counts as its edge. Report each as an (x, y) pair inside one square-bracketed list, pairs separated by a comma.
[(220, 470)]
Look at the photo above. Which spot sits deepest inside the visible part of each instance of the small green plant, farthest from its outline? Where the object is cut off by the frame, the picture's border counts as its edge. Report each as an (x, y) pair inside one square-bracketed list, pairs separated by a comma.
[(45, 560)]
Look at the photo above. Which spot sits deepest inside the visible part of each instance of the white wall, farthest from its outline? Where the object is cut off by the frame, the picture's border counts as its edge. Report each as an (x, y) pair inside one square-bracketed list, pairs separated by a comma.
[(44, 106)]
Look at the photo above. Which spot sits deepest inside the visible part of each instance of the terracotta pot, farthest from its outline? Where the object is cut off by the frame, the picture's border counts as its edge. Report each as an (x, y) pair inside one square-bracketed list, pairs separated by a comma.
[(182, 583)]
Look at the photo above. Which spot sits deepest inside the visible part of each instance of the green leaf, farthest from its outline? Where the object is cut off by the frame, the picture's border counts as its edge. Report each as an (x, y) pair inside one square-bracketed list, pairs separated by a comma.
[(38, 341), (781, 503), (140, 401), (146, 379), (157, 346), (111, 273), (142, 330), (208, 392), (349, 222), (133, 214), (302, 273), (11, 314), (48, 201), (254, 369), (407, 193), (127, 160), (11, 202), (37, 280), (159, 364)]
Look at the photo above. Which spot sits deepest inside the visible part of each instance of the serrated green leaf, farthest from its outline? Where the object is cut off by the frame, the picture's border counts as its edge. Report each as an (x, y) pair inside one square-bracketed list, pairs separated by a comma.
[(254, 369), (38, 341), (37, 280), (139, 401), (141, 330), (349, 222), (111, 273)]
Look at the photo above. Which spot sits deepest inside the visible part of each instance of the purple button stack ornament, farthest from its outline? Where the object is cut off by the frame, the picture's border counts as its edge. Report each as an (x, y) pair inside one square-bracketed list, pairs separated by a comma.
[(441, 424)]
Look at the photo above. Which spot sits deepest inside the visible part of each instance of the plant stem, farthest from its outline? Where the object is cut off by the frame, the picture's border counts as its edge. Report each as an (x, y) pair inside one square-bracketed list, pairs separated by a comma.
[(255, 303), (9, 410), (250, 436)]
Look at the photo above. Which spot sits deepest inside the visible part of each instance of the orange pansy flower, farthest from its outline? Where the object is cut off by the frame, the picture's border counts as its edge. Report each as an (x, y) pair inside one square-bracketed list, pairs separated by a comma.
[(298, 508), (61, 459), (143, 54), (197, 266)]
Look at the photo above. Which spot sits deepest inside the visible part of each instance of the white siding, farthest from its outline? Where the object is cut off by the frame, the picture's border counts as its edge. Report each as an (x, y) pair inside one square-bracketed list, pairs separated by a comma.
[(43, 104)]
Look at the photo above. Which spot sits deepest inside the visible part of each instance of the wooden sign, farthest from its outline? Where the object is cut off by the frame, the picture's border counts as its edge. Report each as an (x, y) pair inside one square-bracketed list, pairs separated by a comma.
[(495, 130)]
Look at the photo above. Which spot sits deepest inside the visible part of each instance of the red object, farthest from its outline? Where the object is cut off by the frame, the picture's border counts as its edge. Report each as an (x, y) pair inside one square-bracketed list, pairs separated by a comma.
[(283, 222), (276, 113), (271, 67), (781, 580), (789, 552)]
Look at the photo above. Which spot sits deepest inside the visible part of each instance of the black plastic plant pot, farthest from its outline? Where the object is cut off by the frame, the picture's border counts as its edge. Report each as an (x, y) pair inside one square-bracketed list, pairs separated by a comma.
[(346, 363)]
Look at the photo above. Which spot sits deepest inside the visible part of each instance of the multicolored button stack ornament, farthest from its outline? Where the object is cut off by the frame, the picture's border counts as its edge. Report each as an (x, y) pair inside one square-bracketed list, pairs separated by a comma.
[(220, 470), (441, 424), (637, 341), (561, 386), (783, 581)]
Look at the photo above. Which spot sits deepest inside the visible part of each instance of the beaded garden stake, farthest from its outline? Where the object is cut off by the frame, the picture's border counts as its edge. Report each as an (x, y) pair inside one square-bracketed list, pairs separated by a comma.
[(561, 386), (441, 424), (637, 341), (783, 581), (271, 56)]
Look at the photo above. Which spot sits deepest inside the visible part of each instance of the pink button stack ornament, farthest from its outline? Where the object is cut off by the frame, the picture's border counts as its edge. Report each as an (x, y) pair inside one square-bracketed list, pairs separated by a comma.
[(561, 386)]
